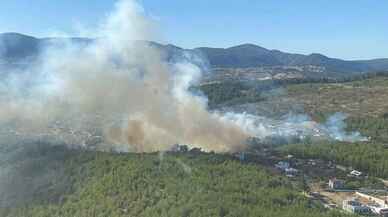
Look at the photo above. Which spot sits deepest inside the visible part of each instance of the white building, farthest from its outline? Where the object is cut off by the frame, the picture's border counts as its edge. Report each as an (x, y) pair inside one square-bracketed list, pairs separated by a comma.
[(336, 183), (354, 206), (377, 209), (355, 173), (378, 205)]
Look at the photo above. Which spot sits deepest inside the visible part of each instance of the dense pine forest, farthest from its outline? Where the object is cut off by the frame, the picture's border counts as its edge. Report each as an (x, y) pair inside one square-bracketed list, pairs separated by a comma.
[(368, 157), (170, 184)]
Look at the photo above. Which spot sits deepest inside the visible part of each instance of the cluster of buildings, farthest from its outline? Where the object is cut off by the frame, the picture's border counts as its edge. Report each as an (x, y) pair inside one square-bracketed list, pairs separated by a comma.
[(285, 167), (363, 202), (367, 204), (354, 206), (377, 203), (338, 184)]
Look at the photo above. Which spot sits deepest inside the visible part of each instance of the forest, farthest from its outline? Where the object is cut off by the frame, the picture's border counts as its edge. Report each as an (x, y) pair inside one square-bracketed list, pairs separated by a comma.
[(369, 157), (171, 184)]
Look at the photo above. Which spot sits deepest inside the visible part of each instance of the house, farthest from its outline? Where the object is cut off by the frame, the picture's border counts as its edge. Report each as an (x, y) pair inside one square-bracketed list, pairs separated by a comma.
[(356, 207), (335, 183)]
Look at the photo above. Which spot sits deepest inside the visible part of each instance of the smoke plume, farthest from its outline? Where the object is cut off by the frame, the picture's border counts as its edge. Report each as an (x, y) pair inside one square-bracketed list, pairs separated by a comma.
[(118, 92)]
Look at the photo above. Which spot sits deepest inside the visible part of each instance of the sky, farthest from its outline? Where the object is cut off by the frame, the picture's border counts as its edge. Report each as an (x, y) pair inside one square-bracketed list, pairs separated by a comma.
[(347, 29)]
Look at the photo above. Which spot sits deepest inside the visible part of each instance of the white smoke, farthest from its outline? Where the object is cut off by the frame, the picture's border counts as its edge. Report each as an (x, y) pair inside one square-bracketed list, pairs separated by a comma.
[(118, 92), (336, 129), (295, 127)]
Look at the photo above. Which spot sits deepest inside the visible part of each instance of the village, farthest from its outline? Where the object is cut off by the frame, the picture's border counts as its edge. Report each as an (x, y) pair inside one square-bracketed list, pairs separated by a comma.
[(336, 186), (332, 185)]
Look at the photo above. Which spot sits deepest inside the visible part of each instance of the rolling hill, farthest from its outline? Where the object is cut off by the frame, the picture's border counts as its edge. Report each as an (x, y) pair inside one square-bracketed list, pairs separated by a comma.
[(250, 55), (16, 48)]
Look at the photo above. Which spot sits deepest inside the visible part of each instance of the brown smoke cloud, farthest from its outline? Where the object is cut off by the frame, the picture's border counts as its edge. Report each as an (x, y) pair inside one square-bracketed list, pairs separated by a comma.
[(120, 86), (119, 92)]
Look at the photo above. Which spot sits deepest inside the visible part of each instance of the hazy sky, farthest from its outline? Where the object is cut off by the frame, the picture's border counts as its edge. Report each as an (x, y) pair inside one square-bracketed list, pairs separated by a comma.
[(350, 29)]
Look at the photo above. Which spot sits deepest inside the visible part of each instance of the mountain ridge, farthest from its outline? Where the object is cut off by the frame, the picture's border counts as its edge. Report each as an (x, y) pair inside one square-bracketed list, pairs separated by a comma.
[(16, 46)]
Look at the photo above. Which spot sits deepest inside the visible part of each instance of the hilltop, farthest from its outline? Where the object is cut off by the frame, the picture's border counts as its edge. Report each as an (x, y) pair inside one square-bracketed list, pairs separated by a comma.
[(245, 58)]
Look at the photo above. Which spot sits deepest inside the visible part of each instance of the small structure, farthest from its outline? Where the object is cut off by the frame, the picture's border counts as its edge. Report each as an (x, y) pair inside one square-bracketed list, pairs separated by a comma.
[(282, 165), (377, 209), (330, 206), (355, 173), (291, 172), (179, 148), (285, 167), (335, 183), (312, 162), (356, 207), (290, 156), (377, 203)]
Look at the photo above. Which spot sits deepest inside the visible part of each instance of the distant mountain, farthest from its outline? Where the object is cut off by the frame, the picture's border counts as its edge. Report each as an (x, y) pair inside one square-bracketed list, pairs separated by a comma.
[(15, 47), (241, 56), (249, 55)]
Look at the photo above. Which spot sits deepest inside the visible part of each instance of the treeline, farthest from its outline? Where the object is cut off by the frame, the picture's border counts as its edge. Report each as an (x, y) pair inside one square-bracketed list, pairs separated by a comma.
[(233, 92), (368, 157), (376, 128), (173, 185), (245, 91)]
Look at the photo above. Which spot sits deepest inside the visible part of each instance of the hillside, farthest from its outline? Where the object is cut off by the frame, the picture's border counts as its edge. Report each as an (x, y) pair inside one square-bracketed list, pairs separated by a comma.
[(249, 55), (16, 48), (103, 184)]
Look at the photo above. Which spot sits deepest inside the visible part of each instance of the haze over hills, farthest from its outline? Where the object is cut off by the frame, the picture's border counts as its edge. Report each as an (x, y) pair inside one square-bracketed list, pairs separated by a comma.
[(250, 55), (16, 48)]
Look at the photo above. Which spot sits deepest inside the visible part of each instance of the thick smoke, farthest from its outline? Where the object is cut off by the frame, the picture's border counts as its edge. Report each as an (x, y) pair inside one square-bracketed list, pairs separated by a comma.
[(119, 92), (120, 88)]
